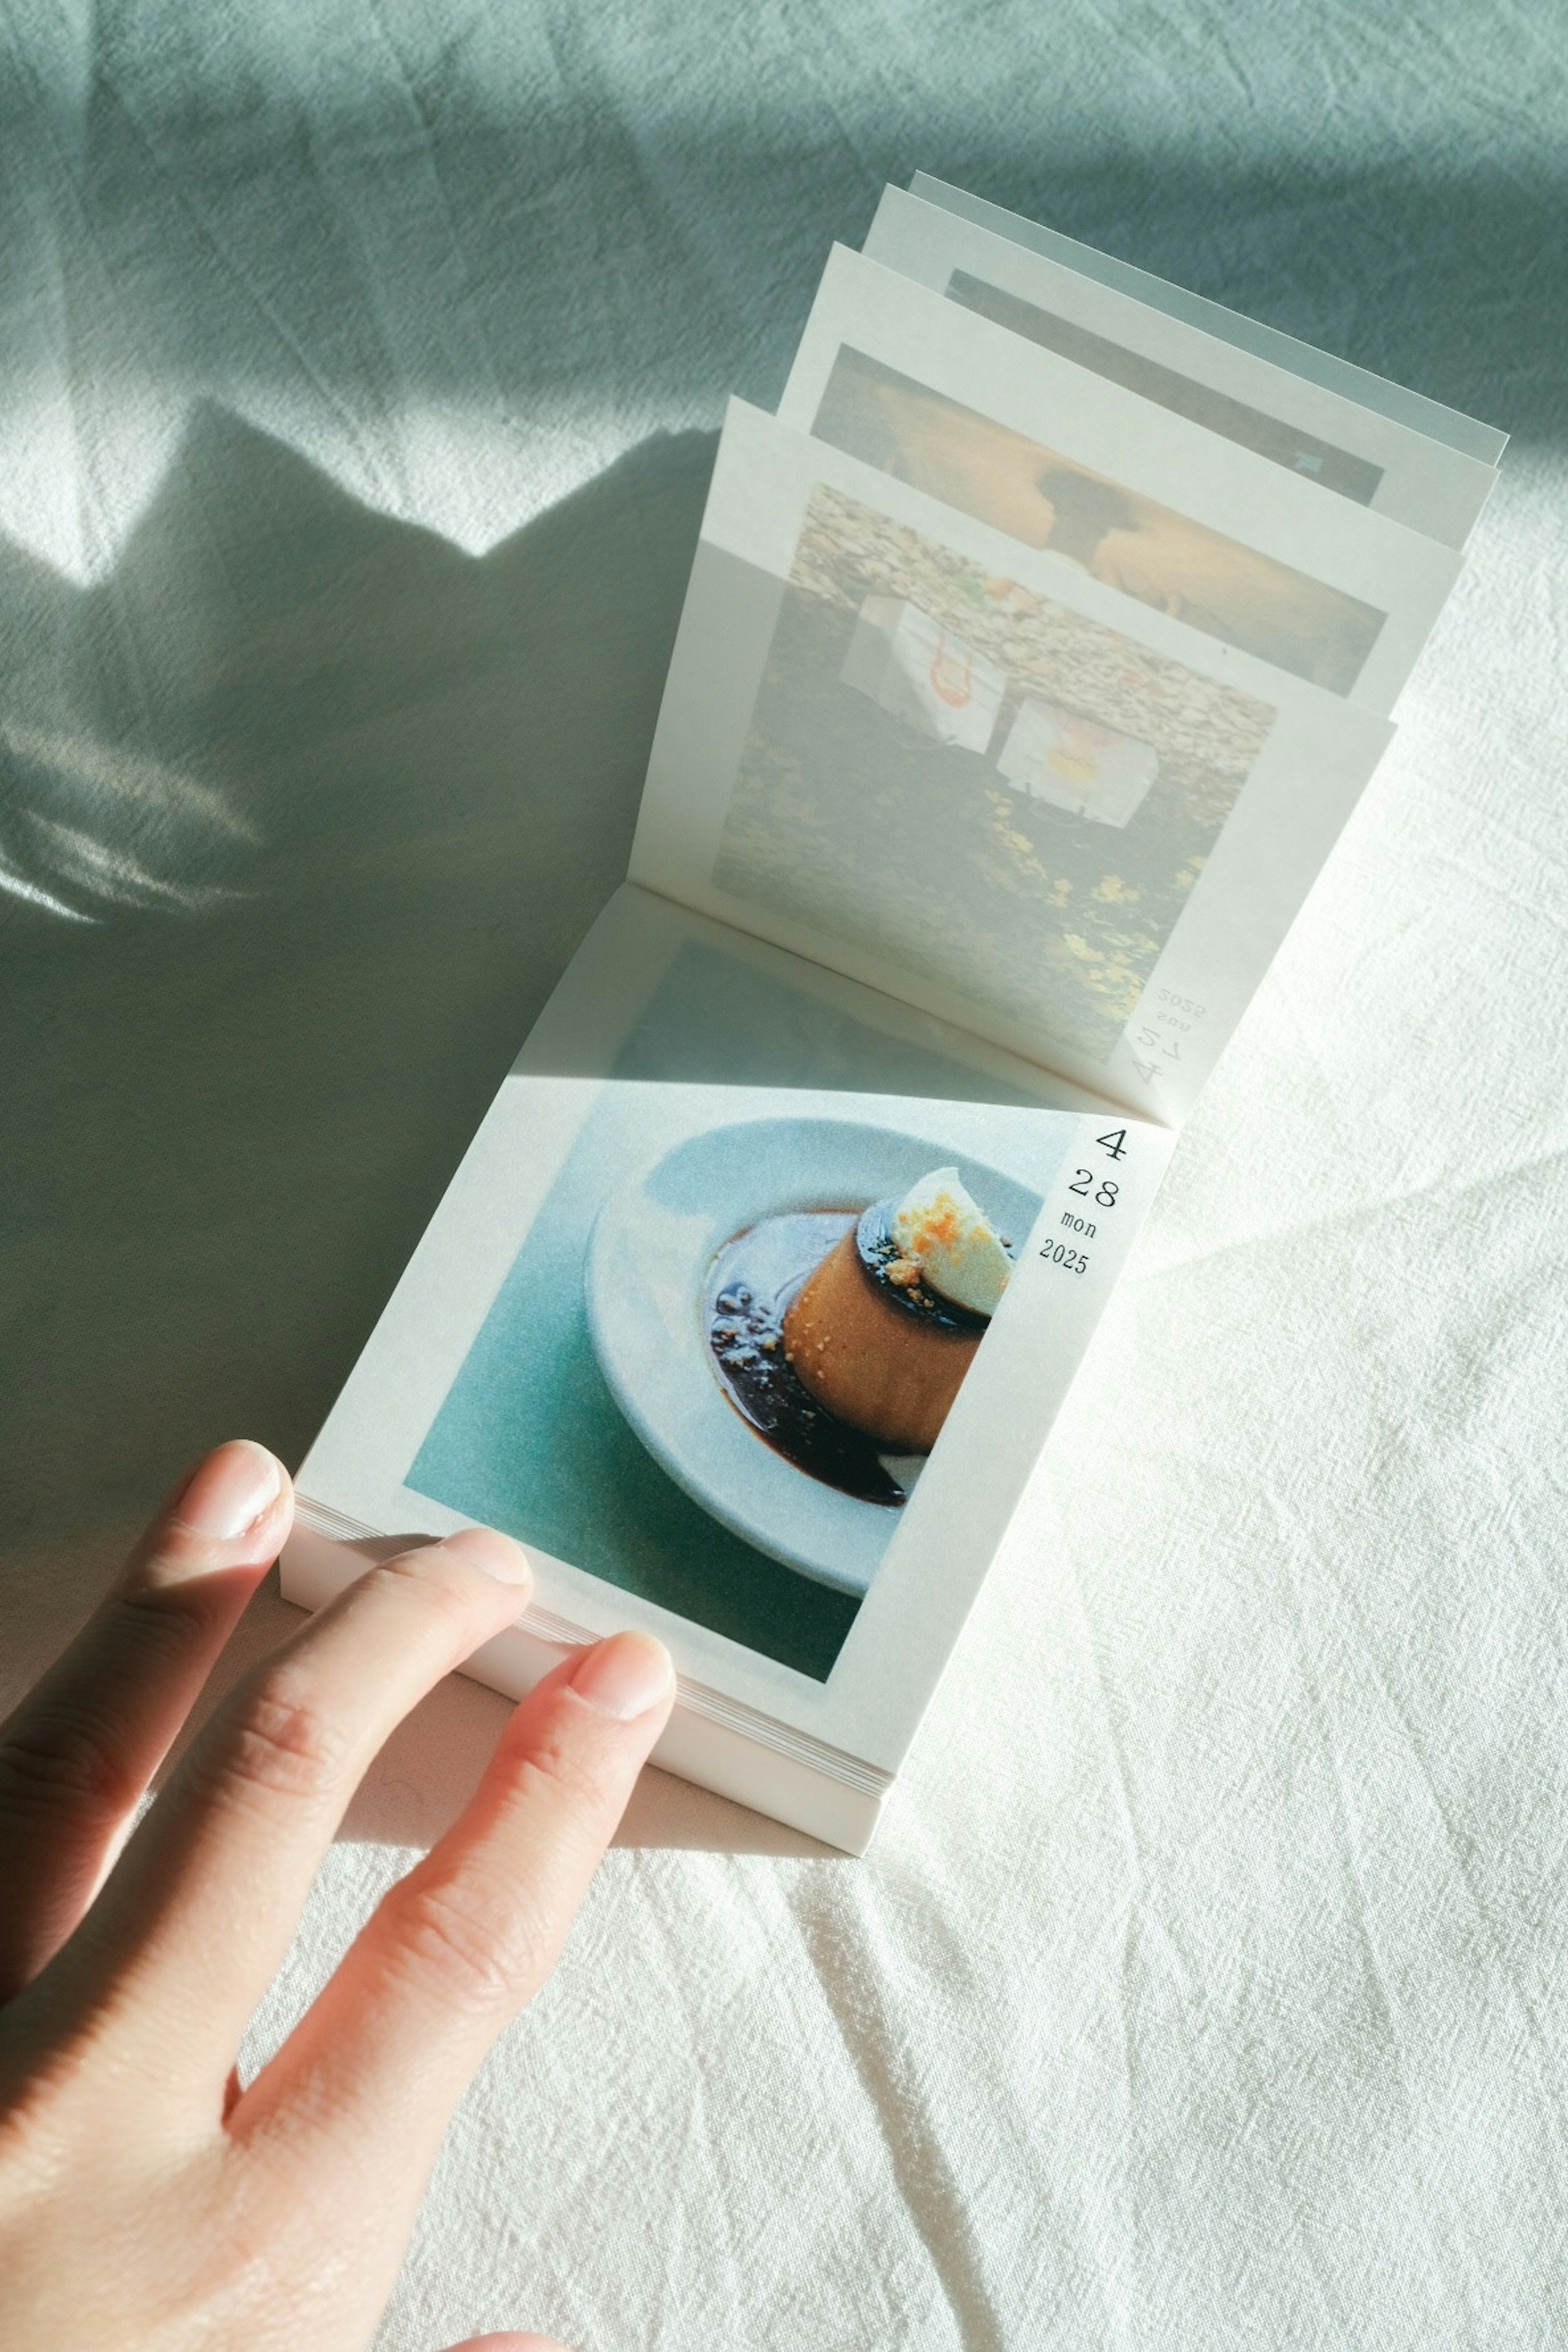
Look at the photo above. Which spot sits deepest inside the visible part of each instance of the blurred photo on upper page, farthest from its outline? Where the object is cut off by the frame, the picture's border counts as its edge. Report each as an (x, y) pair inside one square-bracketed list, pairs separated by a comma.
[(1434, 467), (971, 775), (1098, 477)]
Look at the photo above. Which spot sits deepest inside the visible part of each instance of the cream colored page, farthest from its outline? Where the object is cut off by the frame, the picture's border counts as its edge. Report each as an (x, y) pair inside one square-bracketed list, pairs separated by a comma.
[(974, 778), (1146, 501), (589, 1024), (1331, 441), (1462, 433), (547, 1363)]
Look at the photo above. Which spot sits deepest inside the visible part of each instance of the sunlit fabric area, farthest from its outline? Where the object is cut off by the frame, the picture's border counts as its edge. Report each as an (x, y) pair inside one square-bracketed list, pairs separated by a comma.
[(360, 373)]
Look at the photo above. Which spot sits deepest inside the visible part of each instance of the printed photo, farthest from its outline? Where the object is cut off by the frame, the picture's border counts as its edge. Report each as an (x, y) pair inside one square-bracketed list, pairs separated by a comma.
[(1120, 537), (728, 1347), (1399, 455), (983, 785), (1252, 428)]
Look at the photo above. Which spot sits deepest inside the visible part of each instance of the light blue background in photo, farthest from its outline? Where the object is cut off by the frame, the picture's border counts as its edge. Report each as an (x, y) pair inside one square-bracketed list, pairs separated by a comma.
[(530, 1438), (713, 1020)]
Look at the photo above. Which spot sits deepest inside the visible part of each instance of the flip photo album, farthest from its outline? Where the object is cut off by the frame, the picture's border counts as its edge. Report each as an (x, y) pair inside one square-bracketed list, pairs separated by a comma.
[(1034, 654)]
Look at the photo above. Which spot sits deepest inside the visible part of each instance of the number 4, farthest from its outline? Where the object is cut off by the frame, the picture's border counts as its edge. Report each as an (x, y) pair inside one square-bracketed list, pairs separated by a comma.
[(1115, 1145)]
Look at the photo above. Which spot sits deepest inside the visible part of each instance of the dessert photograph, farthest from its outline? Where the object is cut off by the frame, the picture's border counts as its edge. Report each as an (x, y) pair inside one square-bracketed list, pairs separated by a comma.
[(841, 1337), (785, 1307), (735, 1338)]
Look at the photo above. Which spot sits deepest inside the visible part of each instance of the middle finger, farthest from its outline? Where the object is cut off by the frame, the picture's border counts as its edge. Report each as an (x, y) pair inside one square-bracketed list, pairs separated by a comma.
[(78, 1755), (196, 1920)]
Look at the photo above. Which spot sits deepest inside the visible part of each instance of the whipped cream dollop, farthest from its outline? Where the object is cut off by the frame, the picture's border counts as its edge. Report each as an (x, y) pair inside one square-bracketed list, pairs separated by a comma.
[(941, 1230)]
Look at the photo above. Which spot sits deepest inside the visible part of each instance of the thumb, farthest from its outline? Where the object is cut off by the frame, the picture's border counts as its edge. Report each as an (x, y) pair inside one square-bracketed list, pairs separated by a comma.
[(506, 2343)]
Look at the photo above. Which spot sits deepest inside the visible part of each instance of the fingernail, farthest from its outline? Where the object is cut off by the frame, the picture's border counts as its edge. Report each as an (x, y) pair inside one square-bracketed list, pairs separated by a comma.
[(495, 1553), (623, 1677), (231, 1490)]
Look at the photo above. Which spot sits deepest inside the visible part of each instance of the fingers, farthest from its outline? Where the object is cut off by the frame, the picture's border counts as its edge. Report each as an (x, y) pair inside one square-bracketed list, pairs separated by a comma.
[(464, 1940), (78, 1753), (510, 2343), (190, 1929)]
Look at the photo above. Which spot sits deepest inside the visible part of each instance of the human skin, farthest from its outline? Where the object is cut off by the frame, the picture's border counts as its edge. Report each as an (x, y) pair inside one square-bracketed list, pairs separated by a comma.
[(149, 2202)]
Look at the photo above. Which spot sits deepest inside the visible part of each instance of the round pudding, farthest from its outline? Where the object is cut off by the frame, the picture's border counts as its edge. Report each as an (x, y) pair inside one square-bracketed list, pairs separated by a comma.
[(885, 1328)]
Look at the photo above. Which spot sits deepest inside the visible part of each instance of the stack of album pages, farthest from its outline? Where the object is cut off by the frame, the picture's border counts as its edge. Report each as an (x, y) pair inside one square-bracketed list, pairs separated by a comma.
[(1034, 656)]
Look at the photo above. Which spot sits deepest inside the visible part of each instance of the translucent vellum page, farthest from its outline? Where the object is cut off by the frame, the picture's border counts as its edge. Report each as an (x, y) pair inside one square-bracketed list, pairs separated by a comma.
[(659, 992), (1144, 501), (1465, 434), (1334, 441), (980, 781), (595, 1347)]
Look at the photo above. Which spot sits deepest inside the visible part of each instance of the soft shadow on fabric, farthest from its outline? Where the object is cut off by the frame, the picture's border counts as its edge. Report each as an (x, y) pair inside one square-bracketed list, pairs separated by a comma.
[(649, 273), (329, 804)]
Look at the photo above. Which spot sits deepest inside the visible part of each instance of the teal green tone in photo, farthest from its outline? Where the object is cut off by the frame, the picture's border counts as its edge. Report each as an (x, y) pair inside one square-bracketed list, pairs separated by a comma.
[(530, 1440), (530, 1436)]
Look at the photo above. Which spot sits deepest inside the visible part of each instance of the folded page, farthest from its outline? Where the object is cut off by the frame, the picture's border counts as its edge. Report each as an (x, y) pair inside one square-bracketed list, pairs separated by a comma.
[(1393, 400), (752, 1014), (1338, 443), (1146, 501), (762, 1366), (974, 778)]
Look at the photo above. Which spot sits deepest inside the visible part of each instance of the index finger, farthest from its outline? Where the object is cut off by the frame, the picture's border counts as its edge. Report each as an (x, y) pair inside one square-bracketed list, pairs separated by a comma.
[(78, 1754), (186, 1935), (466, 1939)]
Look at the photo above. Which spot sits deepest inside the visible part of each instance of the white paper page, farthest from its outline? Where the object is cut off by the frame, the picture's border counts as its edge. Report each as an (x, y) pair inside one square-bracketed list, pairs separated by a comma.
[(1146, 501), (1393, 400), (588, 1026), (969, 776), (547, 1362), (1338, 443)]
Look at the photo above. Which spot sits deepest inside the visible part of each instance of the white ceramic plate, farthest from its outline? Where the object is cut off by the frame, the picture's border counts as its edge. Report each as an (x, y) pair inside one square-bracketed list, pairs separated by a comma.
[(652, 1245)]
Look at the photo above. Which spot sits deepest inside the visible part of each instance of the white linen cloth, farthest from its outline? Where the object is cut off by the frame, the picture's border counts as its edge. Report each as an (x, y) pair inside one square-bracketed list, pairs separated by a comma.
[(358, 373)]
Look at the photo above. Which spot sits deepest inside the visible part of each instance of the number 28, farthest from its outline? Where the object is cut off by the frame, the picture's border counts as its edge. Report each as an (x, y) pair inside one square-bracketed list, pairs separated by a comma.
[(1083, 1184)]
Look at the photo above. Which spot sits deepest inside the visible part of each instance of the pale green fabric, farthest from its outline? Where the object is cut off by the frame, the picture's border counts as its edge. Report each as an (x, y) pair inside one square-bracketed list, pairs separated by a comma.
[(358, 366)]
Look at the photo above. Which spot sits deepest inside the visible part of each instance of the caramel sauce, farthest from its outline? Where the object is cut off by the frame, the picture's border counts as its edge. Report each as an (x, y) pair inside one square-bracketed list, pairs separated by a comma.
[(751, 1285)]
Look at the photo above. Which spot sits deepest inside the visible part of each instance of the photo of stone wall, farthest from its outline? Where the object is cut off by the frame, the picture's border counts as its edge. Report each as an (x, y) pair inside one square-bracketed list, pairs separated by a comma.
[(851, 812)]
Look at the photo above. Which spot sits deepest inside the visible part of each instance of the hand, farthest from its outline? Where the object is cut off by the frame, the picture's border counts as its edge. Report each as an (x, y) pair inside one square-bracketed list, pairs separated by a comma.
[(148, 2201)]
